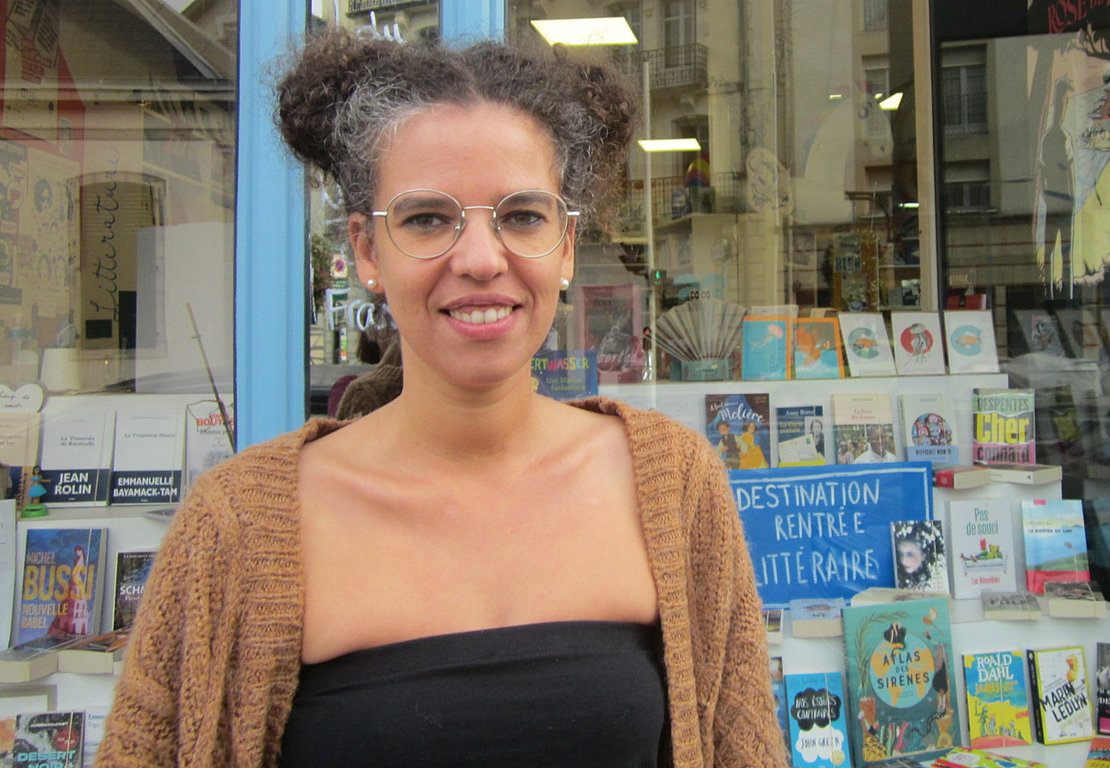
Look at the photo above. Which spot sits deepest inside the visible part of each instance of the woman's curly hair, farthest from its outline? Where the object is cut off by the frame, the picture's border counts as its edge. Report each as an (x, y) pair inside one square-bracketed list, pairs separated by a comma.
[(344, 96)]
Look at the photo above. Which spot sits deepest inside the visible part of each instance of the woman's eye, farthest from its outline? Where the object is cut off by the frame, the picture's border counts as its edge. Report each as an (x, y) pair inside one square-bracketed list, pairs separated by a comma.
[(426, 221), (522, 218)]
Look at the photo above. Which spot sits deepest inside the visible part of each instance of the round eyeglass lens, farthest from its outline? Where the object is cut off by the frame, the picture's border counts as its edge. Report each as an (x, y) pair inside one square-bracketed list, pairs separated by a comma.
[(531, 223)]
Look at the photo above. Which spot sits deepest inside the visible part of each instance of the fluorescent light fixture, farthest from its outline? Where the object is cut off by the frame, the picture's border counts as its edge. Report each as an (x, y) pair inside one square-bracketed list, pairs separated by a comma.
[(910, 205), (835, 96), (612, 30), (669, 145), (891, 102)]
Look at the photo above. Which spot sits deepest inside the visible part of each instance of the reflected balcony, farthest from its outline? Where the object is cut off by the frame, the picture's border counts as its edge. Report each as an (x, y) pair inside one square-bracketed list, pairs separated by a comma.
[(675, 67)]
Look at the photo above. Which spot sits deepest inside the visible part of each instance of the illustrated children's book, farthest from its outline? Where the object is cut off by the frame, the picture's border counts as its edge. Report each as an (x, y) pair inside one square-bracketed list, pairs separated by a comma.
[(801, 435), (929, 431), (818, 720), (863, 428), (77, 457), (132, 571), (609, 320), (997, 700), (765, 348), (969, 339), (900, 682), (1055, 542), (739, 427), (918, 348), (866, 344), (981, 539), (149, 457), (62, 588), (1061, 703), (54, 739), (920, 560), (816, 348), (1003, 427), (1102, 688), (1010, 606)]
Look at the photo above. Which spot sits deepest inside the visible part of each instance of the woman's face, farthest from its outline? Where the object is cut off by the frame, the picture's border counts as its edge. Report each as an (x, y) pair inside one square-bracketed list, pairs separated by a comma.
[(474, 316), (910, 556)]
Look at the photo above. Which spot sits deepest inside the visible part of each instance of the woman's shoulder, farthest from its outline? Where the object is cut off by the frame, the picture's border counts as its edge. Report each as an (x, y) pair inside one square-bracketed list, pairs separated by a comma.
[(652, 432)]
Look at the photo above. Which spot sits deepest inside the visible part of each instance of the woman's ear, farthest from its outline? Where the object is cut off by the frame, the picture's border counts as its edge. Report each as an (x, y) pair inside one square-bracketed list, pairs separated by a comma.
[(366, 261)]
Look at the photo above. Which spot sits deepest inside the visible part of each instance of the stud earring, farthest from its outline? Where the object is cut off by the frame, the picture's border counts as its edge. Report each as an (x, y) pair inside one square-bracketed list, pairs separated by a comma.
[(564, 284), (371, 284)]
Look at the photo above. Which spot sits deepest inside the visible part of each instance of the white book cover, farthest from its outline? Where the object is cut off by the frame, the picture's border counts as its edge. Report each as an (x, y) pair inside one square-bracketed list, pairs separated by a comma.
[(206, 439), (77, 456), (929, 431), (149, 456), (969, 339), (918, 349), (981, 540), (19, 438), (866, 344)]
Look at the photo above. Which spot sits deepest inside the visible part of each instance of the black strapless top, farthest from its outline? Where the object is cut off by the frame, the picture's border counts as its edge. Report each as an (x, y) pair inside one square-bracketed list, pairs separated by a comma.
[(568, 694)]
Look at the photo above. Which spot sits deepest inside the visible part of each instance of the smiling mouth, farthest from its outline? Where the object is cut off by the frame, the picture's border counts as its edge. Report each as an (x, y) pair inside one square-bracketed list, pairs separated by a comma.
[(482, 316)]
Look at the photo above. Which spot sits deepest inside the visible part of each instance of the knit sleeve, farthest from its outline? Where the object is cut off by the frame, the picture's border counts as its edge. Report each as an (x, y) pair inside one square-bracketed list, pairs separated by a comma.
[(173, 655)]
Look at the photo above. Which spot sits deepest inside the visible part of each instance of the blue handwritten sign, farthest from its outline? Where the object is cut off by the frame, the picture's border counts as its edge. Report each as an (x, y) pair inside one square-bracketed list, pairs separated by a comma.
[(824, 531)]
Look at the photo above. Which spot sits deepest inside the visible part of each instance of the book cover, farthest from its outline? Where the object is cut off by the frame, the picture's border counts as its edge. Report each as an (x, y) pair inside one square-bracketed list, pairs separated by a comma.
[(981, 539), (148, 460), (94, 731), (1074, 600), (19, 438), (918, 349), (132, 571), (863, 427), (970, 342), (739, 427), (960, 476), (1098, 753), (565, 374), (1055, 542), (899, 683), (1003, 429), (815, 352), (997, 700), (866, 344), (1060, 702), (1010, 606), (816, 617), (77, 457), (609, 320), (1040, 332), (929, 430), (765, 348), (800, 431), (772, 624), (207, 442), (778, 691), (920, 560), (1102, 688), (45, 739), (818, 720), (62, 586)]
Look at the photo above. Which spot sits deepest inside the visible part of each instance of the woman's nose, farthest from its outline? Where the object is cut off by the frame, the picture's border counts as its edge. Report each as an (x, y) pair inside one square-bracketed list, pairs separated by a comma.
[(479, 252)]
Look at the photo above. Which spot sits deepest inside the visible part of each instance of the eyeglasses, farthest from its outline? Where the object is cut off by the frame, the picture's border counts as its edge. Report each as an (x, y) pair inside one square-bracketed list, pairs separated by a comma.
[(426, 223)]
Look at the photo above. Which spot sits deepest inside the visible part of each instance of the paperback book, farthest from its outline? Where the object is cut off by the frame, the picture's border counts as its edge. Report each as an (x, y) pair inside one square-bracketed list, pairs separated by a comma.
[(53, 739), (1074, 600), (899, 683), (816, 617), (816, 348), (818, 720), (997, 700), (772, 624), (982, 541), (1061, 704), (778, 691), (1055, 542), (149, 456), (863, 427), (960, 476), (929, 429), (77, 457), (1003, 428), (94, 655), (969, 340), (1102, 688), (19, 438), (1025, 474), (765, 348), (1098, 753), (959, 757), (1010, 606), (920, 560), (739, 427), (918, 349), (866, 344), (208, 438), (565, 375), (132, 571), (801, 435)]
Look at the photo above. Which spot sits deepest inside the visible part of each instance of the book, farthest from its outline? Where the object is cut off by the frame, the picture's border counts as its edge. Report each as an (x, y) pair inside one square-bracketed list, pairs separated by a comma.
[(19, 438), (997, 700), (929, 431), (970, 342), (94, 731), (1009, 606), (815, 351), (23, 665), (920, 560), (959, 757), (62, 585), (898, 680), (765, 348), (564, 374), (47, 739), (1102, 688), (1098, 753), (1055, 542), (77, 457), (981, 539), (778, 692), (817, 720), (149, 455), (816, 617), (960, 476), (608, 319), (885, 595), (1039, 332), (132, 571), (863, 427), (1025, 474), (866, 344), (1003, 429), (739, 428), (772, 624), (1074, 600), (918, 349), (206, 438), (9, 549), (1060, 701), (94, 655), (800, 432)]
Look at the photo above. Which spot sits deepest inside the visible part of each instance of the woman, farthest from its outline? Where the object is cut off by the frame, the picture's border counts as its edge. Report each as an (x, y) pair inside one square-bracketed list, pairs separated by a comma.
[(472, 574)]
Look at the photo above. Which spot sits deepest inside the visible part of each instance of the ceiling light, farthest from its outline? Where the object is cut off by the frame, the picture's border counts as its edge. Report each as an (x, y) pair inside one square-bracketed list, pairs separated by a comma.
[(613, 30), (669, 145), (891, 102)]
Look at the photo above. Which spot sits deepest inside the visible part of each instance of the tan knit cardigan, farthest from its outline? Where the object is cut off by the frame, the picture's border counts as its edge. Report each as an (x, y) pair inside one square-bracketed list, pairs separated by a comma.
[(215, 655)]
